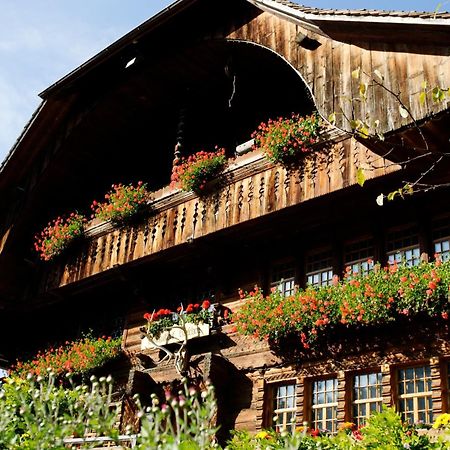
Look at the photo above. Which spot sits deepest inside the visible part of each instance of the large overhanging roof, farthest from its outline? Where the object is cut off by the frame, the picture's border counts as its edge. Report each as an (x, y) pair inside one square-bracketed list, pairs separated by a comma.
[(321, 21), (313, 18)]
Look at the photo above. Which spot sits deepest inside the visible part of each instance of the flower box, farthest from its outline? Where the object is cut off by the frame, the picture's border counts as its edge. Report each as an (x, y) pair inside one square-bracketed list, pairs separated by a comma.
[(175, 335)]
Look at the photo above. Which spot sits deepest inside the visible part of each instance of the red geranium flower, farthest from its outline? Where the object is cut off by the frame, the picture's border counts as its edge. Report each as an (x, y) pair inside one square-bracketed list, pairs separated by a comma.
[(206, 304)]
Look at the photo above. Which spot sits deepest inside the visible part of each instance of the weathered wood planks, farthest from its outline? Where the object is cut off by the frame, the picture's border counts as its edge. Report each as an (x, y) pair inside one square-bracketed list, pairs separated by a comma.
[(253, 190)]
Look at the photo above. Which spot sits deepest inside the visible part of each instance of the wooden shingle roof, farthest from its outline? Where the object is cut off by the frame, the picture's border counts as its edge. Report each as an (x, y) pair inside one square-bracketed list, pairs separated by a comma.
[(365, 12)]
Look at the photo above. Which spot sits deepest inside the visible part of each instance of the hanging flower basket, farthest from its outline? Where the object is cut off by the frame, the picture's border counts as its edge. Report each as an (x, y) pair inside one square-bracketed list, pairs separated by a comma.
[(175, 335), (283, 140), (122, 202), (194, 172), (167, 327), (59, 235)]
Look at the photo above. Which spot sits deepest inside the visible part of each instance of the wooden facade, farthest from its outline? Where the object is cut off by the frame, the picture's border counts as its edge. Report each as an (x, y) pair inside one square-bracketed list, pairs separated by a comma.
[(258, 216)]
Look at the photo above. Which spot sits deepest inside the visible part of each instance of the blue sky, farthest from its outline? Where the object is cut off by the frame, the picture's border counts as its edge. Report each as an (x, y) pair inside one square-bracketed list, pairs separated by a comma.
[(42, 40)]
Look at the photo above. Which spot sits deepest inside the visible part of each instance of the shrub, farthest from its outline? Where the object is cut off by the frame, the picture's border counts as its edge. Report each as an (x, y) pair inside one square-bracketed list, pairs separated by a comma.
[(58, 235), (122, 202), (38, 415), (282, 140), (183, 422), (194, 172)]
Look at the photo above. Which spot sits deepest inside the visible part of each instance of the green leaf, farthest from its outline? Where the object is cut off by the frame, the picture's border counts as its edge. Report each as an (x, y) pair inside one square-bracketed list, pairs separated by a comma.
[(424, 84), (408, 189), (392, 195), (354, 124), (378, 74), (363, 131), (360, 177), (188, 445), (332, 118), (362, 90), (355, 73), (438, 94), (380, 200), (403, 112), (422, 97)]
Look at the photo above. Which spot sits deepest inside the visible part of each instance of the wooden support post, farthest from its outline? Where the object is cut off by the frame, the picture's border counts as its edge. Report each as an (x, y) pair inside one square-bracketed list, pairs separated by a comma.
[(386, 386), (259, 403), (436, 386), (300, 398), (341, 388), (180, 137), (304, 405)]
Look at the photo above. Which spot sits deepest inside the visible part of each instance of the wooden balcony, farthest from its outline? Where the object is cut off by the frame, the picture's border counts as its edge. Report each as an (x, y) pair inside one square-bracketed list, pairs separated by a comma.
[(253, 188)]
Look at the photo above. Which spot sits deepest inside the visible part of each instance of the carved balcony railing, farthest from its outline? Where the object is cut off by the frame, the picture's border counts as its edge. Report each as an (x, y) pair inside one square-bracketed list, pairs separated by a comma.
[(253, 188)]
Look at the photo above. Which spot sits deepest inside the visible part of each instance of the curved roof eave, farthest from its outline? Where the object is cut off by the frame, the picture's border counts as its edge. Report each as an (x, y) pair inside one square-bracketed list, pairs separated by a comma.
[(311, 18)]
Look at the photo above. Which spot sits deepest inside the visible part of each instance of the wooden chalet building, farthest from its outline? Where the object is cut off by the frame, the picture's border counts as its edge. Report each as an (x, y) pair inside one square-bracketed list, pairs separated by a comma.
[(203, 73)]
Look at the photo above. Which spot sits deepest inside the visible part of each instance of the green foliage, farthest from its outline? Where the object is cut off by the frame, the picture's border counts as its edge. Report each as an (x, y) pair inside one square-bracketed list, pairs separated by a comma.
[(379, 297), (122, 202), (38, 415), (267, 440), (79, 356), (194, 172), (184, 422), (282, 140), (384, 431)]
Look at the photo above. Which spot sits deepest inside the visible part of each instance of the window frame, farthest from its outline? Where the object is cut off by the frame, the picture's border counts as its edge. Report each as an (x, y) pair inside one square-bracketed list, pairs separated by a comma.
[(270, 398), (325, 269), (350, 397), (406, 230), (349, 262), (309, 401), (395, 388), (440, 232), (276, 282)]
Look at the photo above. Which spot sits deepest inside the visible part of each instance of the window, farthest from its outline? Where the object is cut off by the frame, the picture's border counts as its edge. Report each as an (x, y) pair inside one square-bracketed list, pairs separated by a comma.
[(366, 396), (414, 394), (319, 270), (442, 248), (403, 247), (284, 407), (283, 278), (359, 256), (441, 239), (324, 405)]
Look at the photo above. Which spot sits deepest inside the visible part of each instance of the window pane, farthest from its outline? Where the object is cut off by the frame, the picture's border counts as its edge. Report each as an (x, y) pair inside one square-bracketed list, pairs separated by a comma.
[(359, 256), (319, 270), (283, 279), (367, 391), (415, 401), (324, 407), (284, 407), (403, 247)]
